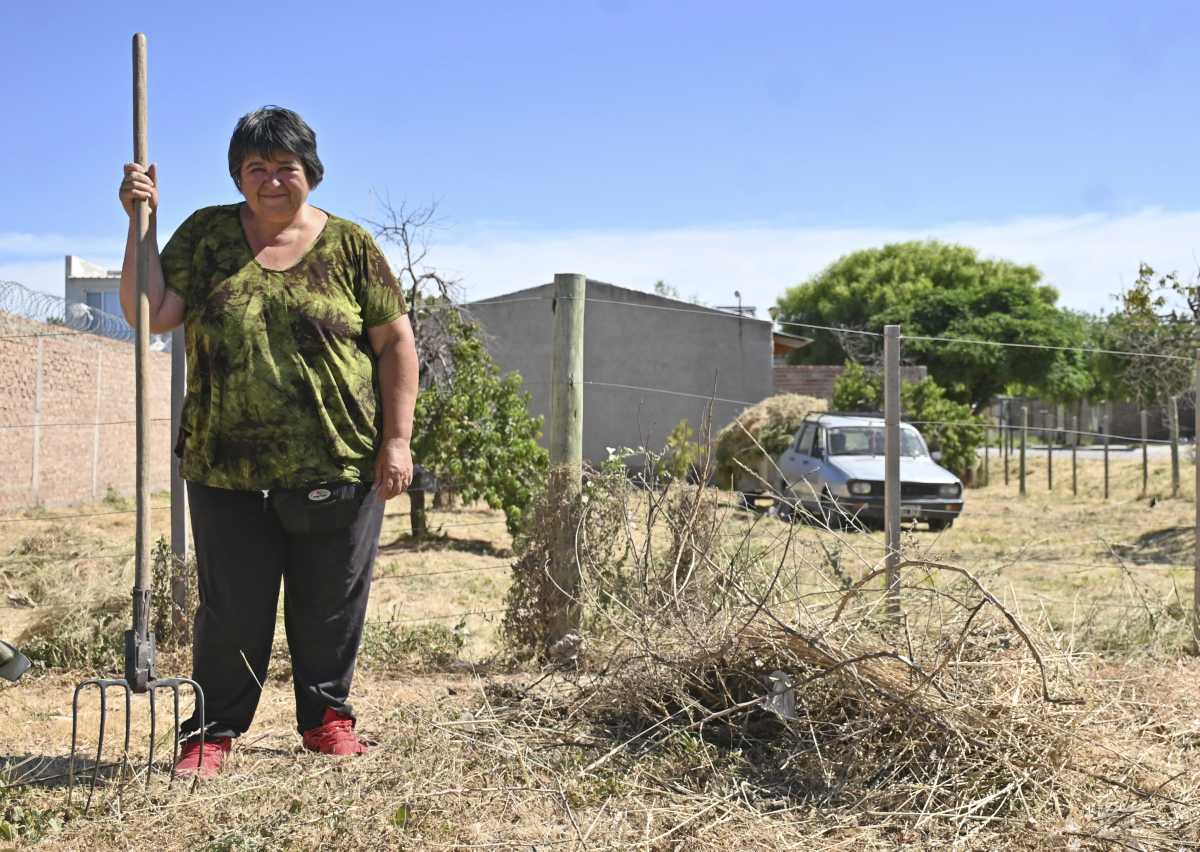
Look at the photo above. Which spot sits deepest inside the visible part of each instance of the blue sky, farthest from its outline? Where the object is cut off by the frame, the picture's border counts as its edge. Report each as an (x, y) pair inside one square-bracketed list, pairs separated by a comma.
[(713, 146)]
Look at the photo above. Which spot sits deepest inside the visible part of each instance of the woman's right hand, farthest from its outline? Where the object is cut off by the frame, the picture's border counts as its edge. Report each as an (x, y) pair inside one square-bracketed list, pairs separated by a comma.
[(139, 184)]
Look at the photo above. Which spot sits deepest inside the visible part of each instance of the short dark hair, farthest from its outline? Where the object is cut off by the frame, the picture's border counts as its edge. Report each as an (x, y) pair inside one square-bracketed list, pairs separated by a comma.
[(270, 129)]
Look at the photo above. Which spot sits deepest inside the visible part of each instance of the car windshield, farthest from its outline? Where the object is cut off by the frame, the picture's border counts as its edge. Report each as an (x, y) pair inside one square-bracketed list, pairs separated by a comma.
[(869, 441)]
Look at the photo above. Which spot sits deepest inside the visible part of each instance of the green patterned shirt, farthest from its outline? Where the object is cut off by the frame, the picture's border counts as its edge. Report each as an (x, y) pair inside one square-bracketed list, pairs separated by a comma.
[(282, 389)]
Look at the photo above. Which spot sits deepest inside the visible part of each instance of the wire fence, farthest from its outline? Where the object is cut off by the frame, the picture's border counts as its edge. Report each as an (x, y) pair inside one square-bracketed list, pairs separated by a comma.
[(75, 322)]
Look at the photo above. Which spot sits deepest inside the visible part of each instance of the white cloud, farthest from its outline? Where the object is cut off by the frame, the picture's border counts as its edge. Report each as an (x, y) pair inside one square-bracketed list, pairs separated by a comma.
[(1087, 258)]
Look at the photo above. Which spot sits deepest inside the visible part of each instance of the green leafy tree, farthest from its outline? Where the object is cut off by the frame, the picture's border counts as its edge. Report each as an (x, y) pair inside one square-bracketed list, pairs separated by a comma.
[(935, 289), (949, 427), (1159, 316), (473, 431)]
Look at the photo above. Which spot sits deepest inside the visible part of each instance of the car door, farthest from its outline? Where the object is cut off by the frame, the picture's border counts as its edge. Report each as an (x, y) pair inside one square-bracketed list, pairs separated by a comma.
[(798, 465)]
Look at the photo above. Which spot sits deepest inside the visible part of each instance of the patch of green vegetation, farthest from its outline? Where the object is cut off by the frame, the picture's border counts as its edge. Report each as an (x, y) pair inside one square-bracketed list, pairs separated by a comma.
[(424, 646), (21, 822), (171, 623), (82, 639), (116, 501)]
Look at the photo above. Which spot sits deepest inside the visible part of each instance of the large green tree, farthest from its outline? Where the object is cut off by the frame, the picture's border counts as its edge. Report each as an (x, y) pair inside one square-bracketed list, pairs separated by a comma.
[(935, 289)]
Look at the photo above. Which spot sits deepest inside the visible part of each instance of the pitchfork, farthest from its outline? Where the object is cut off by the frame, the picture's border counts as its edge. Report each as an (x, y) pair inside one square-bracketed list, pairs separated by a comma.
[(141, 672)]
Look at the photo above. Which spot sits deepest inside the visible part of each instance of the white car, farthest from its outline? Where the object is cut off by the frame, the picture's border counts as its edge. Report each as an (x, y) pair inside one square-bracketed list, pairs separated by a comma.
[(834, 470)]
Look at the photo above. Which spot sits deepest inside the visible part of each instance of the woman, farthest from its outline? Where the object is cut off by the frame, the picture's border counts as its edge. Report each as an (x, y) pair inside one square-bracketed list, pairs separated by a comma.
[(302, 377)]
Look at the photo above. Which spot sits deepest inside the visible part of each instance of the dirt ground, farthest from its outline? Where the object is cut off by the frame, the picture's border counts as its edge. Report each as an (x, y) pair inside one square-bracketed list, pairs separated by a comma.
[(451, 768)]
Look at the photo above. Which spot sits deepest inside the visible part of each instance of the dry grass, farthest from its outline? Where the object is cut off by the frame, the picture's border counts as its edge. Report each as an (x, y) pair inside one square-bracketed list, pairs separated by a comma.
[(475, 753)]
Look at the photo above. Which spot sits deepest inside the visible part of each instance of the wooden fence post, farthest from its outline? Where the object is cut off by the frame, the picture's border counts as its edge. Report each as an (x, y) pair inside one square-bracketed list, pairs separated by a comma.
[(1024, 438), (180, 546), (1196, 499), (1050, 463), (891, 475), (1104, 429), (566, 442), (1173, 415), (1145, 455), (987, 473), (1074, 449), (1004, 440)]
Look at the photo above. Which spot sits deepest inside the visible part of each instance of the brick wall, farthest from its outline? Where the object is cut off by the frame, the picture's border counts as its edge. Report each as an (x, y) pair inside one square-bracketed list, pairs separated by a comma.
[(817, 379), (66, 412)]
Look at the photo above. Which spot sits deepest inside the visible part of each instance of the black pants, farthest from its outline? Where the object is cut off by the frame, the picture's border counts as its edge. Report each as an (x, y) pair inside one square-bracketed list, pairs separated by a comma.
[(242, 552)]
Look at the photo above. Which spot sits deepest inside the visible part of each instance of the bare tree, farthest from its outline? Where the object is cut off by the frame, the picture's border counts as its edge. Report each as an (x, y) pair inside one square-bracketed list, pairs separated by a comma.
[(435, 310)]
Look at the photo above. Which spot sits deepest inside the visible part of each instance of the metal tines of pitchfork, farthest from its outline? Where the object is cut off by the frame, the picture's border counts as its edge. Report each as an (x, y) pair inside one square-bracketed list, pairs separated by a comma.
[(141, 673)]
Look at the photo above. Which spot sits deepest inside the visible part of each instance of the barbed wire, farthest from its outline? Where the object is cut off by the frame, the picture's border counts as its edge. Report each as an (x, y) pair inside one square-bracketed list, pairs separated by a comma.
[(20, 302)]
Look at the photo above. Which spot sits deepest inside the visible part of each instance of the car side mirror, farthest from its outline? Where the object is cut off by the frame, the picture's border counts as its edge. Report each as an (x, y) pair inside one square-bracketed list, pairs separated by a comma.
[(936, 455), (818, 453)]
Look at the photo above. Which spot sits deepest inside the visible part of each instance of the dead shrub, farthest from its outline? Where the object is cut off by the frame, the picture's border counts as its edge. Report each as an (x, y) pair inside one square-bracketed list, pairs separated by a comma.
[(776, 667)]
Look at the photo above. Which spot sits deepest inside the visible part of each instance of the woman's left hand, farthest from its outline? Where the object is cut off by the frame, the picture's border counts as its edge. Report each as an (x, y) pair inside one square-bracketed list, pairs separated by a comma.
[(393, 468)]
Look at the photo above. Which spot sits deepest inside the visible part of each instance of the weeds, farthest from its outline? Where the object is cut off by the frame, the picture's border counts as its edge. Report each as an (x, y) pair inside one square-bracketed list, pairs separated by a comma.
[(116, 501), (423, 647), (171, 578), (85, 639)]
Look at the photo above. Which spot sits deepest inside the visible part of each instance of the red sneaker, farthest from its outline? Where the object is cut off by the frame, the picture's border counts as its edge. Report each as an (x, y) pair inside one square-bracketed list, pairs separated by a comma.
[(202, 763), (335, 735)]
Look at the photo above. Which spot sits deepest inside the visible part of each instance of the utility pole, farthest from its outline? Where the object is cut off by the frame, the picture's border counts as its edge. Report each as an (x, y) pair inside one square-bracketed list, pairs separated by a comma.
[(566, 443)]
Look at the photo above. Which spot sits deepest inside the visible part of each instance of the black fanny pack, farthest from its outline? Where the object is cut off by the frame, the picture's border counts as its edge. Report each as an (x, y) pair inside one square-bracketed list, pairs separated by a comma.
[(318, 508)]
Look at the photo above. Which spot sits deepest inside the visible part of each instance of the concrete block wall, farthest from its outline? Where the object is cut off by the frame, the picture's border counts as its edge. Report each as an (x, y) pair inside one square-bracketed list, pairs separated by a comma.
[(66, 410)]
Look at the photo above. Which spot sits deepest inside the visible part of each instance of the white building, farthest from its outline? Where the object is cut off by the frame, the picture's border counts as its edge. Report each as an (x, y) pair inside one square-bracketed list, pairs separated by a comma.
[(90, 288), (92, 285)]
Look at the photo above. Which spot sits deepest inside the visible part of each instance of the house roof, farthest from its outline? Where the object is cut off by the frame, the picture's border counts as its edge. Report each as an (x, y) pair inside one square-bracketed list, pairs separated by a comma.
[(602, 291), (785, 342)]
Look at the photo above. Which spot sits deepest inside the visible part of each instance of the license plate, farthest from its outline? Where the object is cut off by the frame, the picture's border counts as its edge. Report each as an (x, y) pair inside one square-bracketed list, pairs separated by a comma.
[(909, 512)]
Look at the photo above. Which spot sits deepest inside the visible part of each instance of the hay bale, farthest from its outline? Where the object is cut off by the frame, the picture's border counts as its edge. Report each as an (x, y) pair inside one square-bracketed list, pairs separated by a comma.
[(769, 424)]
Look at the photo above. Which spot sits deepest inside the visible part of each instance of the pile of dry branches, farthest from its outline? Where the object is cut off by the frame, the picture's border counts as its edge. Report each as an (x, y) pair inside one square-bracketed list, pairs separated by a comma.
[(773, 641)]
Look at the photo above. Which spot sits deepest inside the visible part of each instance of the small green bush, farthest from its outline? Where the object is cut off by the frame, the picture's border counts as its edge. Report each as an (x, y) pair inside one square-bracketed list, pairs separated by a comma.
[(423, 646), (681, 454)]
